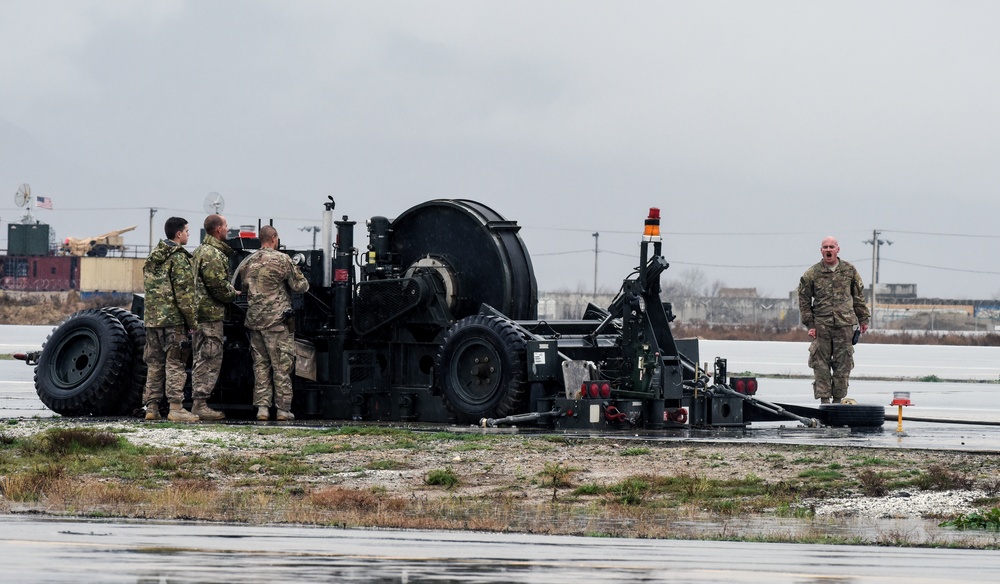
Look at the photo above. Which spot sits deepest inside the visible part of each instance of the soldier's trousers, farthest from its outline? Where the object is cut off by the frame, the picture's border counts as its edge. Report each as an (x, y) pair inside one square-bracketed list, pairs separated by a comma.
[(273, 353), (207, 359), (831, 356), (166, 363)]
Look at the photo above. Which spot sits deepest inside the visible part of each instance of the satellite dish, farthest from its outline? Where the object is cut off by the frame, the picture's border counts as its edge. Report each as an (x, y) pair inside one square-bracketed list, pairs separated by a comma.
[(214, 203), (23, 195)]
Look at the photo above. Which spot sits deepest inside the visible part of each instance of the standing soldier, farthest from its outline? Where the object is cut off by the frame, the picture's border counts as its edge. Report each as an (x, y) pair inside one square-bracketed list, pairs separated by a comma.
[(214, 292), (169, 317), (831, 301), (270, 278)]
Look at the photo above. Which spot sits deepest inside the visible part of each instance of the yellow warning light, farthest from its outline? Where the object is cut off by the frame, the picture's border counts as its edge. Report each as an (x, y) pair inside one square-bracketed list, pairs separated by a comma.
[(652, 228)]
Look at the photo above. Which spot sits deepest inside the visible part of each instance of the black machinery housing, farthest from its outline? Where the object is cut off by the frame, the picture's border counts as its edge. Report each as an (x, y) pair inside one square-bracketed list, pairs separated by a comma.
[(436, 321)]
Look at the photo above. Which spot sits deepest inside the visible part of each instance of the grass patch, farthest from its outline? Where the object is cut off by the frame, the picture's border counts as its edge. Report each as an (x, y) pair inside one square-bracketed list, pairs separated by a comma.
[(635, 451), (442, 477), (940, 478), (386, 464), (989, 521)]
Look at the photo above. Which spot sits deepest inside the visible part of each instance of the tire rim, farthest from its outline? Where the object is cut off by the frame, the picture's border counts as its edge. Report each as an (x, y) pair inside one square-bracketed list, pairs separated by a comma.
[(476, 369), (75, 359)]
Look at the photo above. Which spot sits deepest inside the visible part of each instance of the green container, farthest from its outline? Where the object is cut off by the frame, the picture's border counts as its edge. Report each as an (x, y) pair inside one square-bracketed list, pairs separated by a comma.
[(27, 240)]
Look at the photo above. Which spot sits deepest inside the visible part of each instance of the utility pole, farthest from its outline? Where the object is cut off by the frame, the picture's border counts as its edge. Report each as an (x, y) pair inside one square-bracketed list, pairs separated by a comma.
[(596, 235), (876, 244), (314, 229), (152, 211)]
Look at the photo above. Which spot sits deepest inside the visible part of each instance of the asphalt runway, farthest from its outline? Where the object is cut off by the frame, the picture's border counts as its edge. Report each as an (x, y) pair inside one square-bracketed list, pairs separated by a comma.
[(58, 550)]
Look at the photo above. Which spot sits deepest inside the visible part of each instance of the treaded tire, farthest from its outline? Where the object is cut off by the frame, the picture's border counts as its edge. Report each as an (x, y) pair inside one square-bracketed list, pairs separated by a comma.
[(82, 364), (128, 400), (481, 368), (853, 415)]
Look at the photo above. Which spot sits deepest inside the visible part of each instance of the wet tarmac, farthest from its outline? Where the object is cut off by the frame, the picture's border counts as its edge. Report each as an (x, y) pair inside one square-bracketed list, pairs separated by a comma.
[(55, 550)]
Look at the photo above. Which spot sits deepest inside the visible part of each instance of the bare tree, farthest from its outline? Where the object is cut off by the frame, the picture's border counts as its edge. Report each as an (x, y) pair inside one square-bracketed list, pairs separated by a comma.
[(690, 283)]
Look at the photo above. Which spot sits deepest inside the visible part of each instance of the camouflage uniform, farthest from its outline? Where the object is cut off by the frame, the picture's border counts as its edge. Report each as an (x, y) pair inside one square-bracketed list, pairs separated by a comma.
[(169, 313), (270, 277), (831, 300), (214, 292)]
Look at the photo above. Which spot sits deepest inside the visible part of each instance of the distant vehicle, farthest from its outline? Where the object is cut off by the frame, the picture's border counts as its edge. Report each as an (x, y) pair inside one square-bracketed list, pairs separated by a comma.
[(98, 246)]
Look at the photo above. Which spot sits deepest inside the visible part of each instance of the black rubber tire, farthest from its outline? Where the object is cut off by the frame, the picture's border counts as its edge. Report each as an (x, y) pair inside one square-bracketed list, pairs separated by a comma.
[(853, 415), (128, 400), (481, 368), (82, 364)]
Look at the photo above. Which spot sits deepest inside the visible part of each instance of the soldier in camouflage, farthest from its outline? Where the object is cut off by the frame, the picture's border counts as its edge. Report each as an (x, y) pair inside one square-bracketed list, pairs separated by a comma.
[(169, 317), (269, 278), (214, 292), (832, 302)]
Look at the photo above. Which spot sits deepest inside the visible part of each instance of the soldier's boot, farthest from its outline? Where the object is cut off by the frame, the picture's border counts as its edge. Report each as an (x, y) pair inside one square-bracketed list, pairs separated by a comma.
[(262, 414), (284, 416), (836, 400), (153, 411), (201, 409), (179, 414), (824, 400)]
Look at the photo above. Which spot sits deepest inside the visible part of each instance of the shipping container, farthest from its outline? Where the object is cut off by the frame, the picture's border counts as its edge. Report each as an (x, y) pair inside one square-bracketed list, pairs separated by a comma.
[(28, 239), (40, 273), (111, 274)]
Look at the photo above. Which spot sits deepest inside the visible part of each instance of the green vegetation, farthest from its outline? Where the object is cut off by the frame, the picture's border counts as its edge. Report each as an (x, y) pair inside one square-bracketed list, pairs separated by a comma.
[(990, 521), (442, 477), (379, 476)]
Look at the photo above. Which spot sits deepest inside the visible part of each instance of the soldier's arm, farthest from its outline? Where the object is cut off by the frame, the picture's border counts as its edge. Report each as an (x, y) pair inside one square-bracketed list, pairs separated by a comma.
[(296, 281), (858, 294), (214, 275), (805, 303), (182, 278)]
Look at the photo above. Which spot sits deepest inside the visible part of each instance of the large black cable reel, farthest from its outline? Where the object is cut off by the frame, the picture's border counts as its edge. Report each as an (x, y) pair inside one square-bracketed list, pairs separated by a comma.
[(477, 254)]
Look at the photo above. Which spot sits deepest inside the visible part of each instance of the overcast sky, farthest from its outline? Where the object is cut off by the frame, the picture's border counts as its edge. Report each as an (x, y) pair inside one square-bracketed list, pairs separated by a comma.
[(757, 127)]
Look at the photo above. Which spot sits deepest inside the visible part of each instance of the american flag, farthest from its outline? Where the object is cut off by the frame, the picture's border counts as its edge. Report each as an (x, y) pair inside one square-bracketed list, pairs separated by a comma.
[(43, 202)]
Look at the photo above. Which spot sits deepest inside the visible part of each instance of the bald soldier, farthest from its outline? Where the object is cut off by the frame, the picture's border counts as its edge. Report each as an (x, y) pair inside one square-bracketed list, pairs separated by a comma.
[(832, 303), (270, 278)]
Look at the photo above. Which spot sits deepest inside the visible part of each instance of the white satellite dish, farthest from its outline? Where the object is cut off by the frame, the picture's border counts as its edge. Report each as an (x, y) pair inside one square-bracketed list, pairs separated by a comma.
[(214, 203), (23, 195)]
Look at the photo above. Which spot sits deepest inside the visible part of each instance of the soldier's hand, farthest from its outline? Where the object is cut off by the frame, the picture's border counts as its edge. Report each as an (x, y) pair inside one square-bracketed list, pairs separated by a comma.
[(812, 333), (864, 328)]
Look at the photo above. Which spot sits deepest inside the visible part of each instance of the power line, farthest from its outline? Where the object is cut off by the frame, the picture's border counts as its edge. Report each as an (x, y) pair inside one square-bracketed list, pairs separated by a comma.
[(939, 267), (941, 234)]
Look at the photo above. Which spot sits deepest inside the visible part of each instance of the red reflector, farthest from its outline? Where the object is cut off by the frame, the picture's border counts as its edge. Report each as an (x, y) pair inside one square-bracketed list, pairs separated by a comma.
[(741, 385), (583, 389), (595, 390), (340, 275), (605, 390), (751, 386)]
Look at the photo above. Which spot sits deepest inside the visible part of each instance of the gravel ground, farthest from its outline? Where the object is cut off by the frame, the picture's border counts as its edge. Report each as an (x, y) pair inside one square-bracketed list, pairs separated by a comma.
[(593, 460)]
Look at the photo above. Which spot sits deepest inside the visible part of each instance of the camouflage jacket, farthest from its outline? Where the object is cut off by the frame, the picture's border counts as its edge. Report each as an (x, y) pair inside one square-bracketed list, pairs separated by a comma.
[(169, 284), (832, 296), (269, 278), (211, 276)]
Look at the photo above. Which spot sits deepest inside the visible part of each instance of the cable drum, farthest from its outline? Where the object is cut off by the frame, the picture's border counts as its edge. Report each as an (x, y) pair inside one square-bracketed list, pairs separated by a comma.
[(485, 258)]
